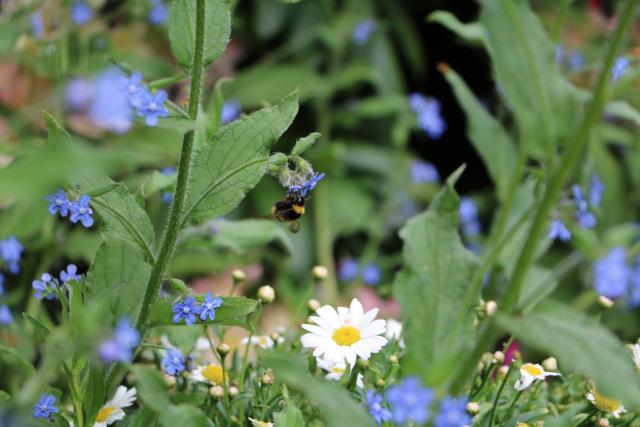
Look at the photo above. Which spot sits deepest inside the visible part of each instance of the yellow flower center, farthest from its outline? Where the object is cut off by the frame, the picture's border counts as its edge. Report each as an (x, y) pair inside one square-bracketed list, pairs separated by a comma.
[(532, 369), (522, 425), (104, 413), (337, 370), (346, 335), (604, 403), (213, 373), (263, 341)]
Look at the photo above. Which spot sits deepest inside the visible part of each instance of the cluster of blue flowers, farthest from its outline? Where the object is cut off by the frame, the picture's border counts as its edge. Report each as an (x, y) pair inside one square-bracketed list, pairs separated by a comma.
[(146, 104), (45, 407), (174, 362), (409, 401), (79, 210), (189, 310), (423, 172), (615, 278), (304, 188), (583, 214), (363, 30), (48, 285), (469, 219), (81, 13), (429, 116), (349, 269), (230, 111), (11, 253), (159, 12), (119, 347)]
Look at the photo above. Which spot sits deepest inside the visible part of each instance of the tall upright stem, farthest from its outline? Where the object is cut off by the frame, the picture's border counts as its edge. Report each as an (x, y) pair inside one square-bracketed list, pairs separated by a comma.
[(555, 184), (184, 168)]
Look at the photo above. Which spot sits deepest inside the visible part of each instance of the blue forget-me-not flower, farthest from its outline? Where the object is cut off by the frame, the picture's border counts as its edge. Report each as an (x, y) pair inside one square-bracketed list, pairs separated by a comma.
[(119, 347), (379, 413), (159, 13), (152, 107), (230, 111), (559, 230), (6, 318), (452, 413), (371, 274), (45, 406), (45, 287), (363, 30), (428, 114), (11, 252), (81, 13), (348, 270), (208, 307), (619, 68), (69, 274), (174, 362), (611, 274), (58, 203), (81, 211), (423, 172), (409, 401), (187, 310)]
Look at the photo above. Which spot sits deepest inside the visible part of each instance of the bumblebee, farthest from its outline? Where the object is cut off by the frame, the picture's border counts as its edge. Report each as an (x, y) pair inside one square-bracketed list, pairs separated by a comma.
[(290, 209)]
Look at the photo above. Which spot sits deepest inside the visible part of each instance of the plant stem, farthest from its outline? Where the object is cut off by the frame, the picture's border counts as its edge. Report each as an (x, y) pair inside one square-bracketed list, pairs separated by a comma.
[(184, 168), (497, 398), (586, 419), (513, 403), (555, 184)]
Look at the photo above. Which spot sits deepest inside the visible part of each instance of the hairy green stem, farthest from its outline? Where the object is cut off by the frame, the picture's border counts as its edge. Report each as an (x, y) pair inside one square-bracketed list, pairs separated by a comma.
[(184, 168), (555, 184)]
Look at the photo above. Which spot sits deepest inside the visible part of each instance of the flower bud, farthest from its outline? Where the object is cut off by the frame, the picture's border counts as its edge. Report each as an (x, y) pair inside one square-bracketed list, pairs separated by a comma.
[(473, 408), (217, 392), (266, 294), (380, 382), (605, 302), (503, 370), (320, 272), (275, 337), (170, 380), (603, 422), (238, 276), (233, 391), (266, 378), (499, 357), (364, 364), (393, 359), (550, 364), (223, 349), (490, 308), (487, 358), (313, 304)]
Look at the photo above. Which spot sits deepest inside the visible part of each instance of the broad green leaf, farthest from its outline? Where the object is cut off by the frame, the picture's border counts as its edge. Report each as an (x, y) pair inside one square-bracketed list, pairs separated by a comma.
[(156, 182), (303, 144), (152, 387), (41, 329), (182, 30), (184, 416), (488, 136), (145, 417), (234, 311), (26, 366), (581, 345), (472, 32), (351, 208), (119, 276), (623, 110), (235, 160), (121, 215), (242, 236), (93, 393), (289, 416), (545, 106), (432, 287), (336, 406)]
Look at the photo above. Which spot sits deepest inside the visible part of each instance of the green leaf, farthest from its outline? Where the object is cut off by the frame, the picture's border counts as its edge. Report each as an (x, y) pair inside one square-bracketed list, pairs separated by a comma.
[(145, 417), (235, 311), (336, 406), (54, 129), (182, 30), (184, 416), (623, 110), (156, 182), (488, 136), (122, 217), (151, 387), (27, 367), (473, 32), (290, 415), (242, 236), (581, 345), (93, 393), (546, 108), (303, 144), (432, 287), (42, 330), (235, 160), (119, 276)]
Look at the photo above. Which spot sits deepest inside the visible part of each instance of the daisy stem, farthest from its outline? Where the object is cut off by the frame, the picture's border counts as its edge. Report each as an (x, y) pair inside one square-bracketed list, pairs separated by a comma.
[(353, 378), (184, 168), (497, 398), (513, 403)]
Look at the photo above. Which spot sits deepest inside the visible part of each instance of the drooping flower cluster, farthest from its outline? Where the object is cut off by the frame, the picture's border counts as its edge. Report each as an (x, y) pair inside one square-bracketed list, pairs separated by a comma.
[(146, 104), (189, 310), (48, 286), (119, 347), (308, 185), (11, 253), (78, 210), (428, 113), (363, 30), (423, 172), (615, 278), (349, 269)]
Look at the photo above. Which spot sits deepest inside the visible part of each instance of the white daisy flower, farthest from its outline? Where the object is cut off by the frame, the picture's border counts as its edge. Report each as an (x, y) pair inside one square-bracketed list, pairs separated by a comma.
[(211, 374), (262, 341), (112, 410), (605, 404), (635, 350), (394, 331), (336, 370), (257, 423), (529, 373), (346, 334)]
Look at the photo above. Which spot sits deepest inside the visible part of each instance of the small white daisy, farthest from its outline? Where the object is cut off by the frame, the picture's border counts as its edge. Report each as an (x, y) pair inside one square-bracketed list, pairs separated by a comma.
[(346, 334), (605, 404), (336, 370), (257, 423), (529, 373), (211, 374), (112, 410), (262, 341)]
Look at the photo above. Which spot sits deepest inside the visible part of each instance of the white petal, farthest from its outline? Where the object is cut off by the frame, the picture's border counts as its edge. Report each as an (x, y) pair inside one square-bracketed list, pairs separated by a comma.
[(116, 415), (329, 315), (361, 350), (343, 312), (524, 382), (377, 327), (320, 322), (312, 340), (355, 312), (367, 318), (350, 355), (317, 330), (374, 343)]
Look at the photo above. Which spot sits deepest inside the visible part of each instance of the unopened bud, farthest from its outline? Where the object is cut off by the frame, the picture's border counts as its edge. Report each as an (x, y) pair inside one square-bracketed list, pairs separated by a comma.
[(605, 302), (320, 272), (267, 378), (275, 337), (313, 304), (499, 356), (503, 370), (393, 359), (487, 358), (233, 391), (473, 408), (380, 382), (603, 422), (490, 308), (364, 364), (238, 276), (223, 349), (266, 294), (217, 392), (550, 364), (170, 380)]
